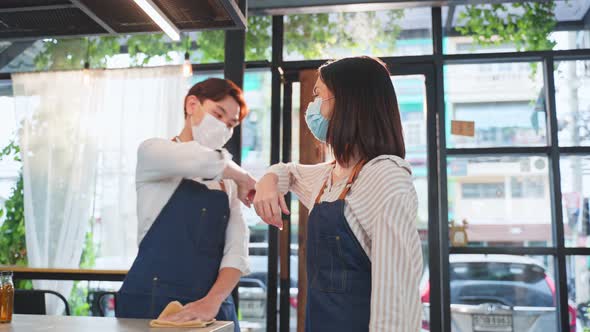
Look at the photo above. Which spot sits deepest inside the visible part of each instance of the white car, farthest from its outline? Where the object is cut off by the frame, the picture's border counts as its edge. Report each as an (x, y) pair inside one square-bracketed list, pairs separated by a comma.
[(500, 293), (252, 289)]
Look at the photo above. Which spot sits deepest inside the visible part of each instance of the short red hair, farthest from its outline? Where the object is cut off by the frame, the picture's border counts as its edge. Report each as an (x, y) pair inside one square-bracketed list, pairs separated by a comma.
[(216, 89)]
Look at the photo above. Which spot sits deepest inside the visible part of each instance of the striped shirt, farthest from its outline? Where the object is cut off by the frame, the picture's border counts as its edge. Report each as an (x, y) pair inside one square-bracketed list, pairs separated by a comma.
[(381, 209)]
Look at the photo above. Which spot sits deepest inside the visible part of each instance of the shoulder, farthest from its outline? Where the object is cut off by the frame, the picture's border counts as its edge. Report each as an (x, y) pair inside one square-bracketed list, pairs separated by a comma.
[(382, 181), (392, 180), (388, 174), (152, 143)]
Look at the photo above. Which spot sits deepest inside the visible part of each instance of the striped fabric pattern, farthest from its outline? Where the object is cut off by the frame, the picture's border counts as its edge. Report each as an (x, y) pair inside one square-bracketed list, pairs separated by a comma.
[(381, 209)]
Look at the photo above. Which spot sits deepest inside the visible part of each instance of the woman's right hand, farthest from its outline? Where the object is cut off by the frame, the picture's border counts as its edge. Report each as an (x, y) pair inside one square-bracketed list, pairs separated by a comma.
[(269, 202)]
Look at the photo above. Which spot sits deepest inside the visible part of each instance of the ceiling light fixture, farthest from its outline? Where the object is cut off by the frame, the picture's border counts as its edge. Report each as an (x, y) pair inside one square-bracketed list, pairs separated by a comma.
[(150, 8)]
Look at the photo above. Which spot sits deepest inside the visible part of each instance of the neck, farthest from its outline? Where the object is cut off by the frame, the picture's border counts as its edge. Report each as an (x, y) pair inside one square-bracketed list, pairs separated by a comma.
[(343, 170), (348, 166), (186, 135)]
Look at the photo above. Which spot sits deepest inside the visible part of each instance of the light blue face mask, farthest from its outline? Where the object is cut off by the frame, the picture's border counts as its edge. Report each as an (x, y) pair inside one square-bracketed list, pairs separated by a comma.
[(318, 125)]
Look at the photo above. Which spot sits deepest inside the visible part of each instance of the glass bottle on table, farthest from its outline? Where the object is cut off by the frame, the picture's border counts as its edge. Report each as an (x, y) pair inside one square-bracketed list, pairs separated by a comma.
[(6, 297)]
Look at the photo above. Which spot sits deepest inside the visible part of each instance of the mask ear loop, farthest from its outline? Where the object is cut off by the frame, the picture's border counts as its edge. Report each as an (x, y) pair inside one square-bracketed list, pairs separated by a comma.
[(193, 114)]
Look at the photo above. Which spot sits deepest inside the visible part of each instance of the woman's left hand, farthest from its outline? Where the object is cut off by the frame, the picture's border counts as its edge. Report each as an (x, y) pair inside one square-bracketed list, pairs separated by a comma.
[(269, 202), (203, 309)]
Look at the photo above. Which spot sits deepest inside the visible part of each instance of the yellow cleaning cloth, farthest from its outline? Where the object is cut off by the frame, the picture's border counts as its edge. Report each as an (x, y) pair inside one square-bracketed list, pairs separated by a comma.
[(172, 308)]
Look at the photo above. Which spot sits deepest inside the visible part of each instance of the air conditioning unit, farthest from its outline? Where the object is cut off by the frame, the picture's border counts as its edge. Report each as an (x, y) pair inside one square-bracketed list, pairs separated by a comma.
[(539, 164)]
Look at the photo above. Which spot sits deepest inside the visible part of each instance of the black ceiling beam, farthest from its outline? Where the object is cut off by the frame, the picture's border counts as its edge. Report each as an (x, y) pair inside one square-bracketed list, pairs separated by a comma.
[(14, 50), (586, 19), (569, 26), (450, 17), (235, 13), (526, 56), (93, 16), (288, 7), (294, 7), (35, 8), (198, 68)]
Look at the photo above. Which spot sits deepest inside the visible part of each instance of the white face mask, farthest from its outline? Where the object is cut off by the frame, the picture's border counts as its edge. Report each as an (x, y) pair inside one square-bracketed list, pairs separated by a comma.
[(211, 132)]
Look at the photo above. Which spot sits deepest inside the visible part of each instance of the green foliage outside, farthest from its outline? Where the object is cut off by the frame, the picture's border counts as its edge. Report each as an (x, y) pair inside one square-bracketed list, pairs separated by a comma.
[(13, 249), (499, 24), (79, 296), (307, 35), (526, 25)]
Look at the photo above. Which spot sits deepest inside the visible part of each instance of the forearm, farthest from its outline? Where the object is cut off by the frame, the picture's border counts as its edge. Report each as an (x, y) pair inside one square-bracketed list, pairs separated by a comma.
[(233, 171), (299, 179), (160, 159), (227, 280)]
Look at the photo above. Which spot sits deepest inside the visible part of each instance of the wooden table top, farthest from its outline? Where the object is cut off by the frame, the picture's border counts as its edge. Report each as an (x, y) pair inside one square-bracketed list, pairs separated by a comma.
[(43, 323)]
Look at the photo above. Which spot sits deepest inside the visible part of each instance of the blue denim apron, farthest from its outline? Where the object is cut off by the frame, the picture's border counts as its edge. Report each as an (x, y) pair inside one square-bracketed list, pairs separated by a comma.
[(180, 256), (338, 269)]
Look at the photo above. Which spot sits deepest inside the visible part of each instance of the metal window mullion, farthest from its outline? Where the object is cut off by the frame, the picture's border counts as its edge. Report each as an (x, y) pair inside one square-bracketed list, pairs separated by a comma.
[(275, 147), (440, 312), (555, 187)]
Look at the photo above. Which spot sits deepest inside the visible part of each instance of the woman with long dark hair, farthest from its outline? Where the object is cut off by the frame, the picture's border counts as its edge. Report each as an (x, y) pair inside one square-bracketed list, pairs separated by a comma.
[(364, 257)]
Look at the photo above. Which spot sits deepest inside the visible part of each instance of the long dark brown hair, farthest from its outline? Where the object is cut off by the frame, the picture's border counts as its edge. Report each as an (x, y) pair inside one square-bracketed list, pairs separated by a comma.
[(366, 120)]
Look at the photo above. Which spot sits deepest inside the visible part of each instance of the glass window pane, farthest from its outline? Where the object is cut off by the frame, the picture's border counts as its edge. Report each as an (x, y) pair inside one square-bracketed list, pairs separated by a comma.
[(25, 61), (256, 126), (504, 100), (577, 35), (502, 293), (575, 189), (504, 200), (9, 168), (119, 52), (258, 38), (499, 293), (4, 45), (378, 33), (572, 83), (85, 298), (511, 26), (578, 275), (294, 208), (256, 159), (411, 97)]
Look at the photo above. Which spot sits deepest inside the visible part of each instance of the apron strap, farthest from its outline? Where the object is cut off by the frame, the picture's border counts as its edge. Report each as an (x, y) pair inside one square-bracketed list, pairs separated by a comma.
[(351, 178)]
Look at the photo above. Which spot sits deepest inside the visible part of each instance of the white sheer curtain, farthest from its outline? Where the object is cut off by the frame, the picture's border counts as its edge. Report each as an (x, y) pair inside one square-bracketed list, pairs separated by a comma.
[(136, 104), (80, 131)]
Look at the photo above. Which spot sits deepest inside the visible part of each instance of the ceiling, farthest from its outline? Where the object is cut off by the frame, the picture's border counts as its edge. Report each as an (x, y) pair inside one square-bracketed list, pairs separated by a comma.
[(34, 19)]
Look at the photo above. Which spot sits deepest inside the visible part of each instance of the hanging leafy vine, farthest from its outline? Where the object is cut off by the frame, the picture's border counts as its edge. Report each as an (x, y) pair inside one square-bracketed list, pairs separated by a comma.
[(526, 25), (12, 232)]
